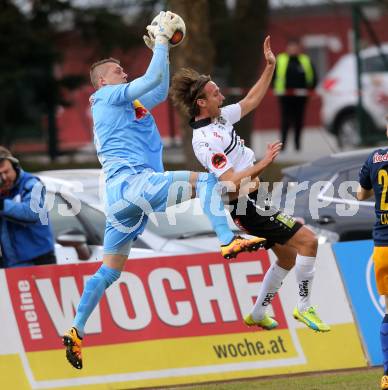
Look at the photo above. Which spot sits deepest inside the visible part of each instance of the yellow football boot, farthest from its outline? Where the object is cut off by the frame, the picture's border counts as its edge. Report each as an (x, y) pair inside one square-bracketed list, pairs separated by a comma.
[(73, 343)]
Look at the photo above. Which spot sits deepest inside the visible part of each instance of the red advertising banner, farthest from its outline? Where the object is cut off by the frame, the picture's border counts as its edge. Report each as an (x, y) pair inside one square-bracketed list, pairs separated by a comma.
[(157, 298), (166, 321)]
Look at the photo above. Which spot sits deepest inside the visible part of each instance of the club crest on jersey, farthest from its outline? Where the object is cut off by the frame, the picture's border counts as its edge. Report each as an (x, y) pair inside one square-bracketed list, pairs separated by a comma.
[(219, 160), (140, 110)]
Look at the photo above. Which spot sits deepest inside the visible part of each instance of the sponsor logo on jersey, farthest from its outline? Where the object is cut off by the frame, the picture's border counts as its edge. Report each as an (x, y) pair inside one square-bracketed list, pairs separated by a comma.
[(217, 135), (377, 157), (219, 160), (140, 110)]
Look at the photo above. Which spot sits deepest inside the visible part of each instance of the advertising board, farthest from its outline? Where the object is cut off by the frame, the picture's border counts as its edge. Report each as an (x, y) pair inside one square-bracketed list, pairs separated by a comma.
[(167, 321)]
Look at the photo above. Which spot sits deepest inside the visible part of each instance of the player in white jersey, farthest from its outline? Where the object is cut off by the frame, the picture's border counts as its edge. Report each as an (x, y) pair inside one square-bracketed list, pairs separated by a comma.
[(221, 151)]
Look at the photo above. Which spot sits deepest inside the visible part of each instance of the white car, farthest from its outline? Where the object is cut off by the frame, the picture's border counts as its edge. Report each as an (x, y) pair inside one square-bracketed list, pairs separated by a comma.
[(75, 202), (340, 98)]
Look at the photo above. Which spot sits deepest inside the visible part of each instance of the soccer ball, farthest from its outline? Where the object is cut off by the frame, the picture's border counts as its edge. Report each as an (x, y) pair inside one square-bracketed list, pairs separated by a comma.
[(179, 34)]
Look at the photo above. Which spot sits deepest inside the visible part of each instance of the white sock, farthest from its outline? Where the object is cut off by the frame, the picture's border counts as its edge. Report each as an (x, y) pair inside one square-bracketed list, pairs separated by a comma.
[(304, 271), (272, 281)]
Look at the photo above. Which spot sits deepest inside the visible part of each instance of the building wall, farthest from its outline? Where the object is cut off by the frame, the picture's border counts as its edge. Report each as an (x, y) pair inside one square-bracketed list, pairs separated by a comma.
[(325, 32)]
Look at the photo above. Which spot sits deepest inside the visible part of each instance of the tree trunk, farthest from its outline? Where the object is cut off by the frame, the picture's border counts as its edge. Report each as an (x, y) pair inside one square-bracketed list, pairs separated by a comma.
[(52, 131), (51, 106), (196, 52), (249, 28)]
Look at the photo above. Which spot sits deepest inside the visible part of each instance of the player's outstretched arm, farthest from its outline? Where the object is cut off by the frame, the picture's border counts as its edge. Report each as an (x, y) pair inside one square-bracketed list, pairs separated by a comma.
[(258, 91)]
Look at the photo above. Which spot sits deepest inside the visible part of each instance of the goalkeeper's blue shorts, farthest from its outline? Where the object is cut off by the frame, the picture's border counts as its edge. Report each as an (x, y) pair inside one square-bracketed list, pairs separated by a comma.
[(130, 198)]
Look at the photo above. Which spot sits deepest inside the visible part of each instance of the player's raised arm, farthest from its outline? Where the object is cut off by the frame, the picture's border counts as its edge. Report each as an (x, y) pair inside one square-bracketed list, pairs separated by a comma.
[(156, 71), (258, 91), (160, 92)]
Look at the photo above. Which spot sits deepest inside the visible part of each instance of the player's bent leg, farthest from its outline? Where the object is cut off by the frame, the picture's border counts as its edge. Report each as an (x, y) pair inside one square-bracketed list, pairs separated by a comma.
[(95, 287), (182, 185), (270, 286), (93, 291), (286, 256), (305, 242), (91, 296), (213, 206)]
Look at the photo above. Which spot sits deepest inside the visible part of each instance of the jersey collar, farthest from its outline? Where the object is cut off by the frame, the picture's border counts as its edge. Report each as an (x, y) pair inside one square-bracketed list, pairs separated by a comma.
[(200, 123)]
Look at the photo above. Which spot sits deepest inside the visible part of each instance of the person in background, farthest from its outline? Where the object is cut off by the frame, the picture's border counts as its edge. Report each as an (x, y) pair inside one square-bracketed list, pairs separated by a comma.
[(293, 80), (26, 237), (374, 181)]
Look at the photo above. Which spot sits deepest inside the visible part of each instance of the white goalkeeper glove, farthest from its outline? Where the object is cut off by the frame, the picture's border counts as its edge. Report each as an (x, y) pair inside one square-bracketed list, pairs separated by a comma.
[(166, 24), (150, 43)]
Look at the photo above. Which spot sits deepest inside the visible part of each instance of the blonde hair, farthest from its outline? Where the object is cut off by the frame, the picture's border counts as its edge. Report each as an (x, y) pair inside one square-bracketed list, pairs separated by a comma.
[(95, 73)]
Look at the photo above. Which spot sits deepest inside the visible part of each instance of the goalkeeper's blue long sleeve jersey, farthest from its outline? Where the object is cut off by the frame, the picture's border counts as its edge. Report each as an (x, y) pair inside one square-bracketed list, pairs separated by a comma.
[(125, 133)]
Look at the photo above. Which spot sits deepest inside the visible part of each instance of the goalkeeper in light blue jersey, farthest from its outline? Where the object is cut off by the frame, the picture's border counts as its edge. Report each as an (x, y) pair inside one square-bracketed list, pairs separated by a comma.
[(129, 148)]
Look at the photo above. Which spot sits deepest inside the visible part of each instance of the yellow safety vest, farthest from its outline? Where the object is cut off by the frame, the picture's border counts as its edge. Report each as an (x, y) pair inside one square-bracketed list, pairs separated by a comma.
[(281, 70)]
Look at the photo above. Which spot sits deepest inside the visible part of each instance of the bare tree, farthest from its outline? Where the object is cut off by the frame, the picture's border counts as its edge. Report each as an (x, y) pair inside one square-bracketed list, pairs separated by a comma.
[(196, 52), (225, 40), (249, 21)]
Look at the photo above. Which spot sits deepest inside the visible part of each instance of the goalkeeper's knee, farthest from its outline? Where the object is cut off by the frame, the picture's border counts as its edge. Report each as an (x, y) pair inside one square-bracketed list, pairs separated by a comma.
[(109, 275)]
